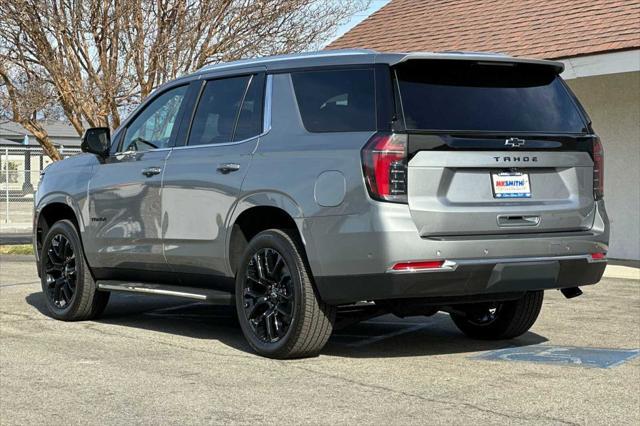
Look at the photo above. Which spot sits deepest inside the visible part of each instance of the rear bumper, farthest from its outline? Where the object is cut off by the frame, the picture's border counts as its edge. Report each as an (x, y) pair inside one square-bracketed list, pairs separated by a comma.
[(385, 234), (463, 278)]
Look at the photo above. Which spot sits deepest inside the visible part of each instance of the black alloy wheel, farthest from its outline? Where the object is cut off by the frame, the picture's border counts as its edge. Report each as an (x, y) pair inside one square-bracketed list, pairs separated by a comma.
[(268, 295), (70, 292), (60, 271), (485, 316), (499, 320)]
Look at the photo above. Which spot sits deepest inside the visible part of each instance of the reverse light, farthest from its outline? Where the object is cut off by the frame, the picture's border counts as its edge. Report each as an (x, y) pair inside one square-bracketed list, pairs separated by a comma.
[(598, 169), (416, 266), (384, 163)]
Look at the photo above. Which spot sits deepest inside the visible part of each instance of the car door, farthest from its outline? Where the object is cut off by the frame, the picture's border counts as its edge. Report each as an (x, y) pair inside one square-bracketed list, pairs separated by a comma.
[(125, 235), (202, 179)]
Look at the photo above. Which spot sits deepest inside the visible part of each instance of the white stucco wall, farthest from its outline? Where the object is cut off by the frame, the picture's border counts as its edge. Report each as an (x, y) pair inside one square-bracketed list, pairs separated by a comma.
[(613, 102)]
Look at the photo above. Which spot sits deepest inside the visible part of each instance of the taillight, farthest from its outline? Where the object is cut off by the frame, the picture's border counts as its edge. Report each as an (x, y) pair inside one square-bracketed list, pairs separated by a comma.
[(598, 169), (384, 162)]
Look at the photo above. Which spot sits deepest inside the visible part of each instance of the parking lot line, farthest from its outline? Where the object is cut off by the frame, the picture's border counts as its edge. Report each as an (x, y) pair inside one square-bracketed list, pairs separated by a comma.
[(19, 284), (380, 337)]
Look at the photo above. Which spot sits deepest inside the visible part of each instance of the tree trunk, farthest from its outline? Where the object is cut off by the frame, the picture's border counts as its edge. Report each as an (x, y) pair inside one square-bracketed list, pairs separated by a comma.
[(31, 124), (43, 138)]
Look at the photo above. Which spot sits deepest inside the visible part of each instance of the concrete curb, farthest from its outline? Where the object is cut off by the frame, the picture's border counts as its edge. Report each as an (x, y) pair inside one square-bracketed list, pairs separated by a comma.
[(17, 258), (624, 272), (15, 238)]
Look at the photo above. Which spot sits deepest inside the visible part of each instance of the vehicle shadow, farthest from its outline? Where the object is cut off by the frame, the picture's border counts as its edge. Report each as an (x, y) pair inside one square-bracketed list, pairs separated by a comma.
[(389, 336), (383, 337), (166, 315)]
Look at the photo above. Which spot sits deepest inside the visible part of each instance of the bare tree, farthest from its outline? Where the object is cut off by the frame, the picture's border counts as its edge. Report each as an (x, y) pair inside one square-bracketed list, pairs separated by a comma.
[(96, 59), (24, 96)]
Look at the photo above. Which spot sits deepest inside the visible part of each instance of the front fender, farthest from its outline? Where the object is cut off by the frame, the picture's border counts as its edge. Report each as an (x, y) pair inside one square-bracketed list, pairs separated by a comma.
[(42, 203), (65, 182), (61, 198)]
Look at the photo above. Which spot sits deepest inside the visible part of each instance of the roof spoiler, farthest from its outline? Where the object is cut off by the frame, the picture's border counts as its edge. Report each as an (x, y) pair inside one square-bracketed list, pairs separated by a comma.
[(479, 57)]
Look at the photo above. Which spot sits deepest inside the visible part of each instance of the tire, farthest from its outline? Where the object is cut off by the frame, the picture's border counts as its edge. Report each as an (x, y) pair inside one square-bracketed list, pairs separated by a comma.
[(69, 290), (279, 310), (511, 319)]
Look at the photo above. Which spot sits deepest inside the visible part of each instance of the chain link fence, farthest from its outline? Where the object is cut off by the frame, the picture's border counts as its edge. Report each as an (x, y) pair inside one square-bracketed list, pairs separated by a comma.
[(20, 169)]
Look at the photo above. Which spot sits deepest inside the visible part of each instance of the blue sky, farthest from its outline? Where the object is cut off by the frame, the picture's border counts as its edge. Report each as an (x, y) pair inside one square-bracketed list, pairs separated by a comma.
[(359, 17)]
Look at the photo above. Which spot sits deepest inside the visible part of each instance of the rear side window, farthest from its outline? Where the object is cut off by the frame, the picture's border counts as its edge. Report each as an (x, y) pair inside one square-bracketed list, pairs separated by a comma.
[(337, 100), (229, 109), (467, 96), (250, 116)]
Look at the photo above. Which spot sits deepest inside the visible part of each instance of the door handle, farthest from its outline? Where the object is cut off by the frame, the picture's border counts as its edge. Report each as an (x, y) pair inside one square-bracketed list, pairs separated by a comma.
[(228, 168), (151, 171)]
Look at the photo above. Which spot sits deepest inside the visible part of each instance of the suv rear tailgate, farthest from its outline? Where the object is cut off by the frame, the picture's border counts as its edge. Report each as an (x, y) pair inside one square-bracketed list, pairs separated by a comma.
[(495, 147), (451, 192)]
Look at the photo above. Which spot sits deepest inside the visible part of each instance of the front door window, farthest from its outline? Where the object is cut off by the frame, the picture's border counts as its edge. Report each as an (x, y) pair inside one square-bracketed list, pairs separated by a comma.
[(154, 127)]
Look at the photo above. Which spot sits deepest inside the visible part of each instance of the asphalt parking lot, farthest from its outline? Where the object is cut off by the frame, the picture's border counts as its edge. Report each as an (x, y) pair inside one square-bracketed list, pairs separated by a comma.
[(153, 360)]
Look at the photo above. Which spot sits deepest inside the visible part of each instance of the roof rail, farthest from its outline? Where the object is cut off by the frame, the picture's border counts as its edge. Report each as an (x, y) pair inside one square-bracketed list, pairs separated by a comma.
[(264, 59)]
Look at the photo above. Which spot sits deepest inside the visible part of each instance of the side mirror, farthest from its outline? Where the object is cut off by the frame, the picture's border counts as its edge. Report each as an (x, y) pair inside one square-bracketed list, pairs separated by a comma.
[(96, 140)]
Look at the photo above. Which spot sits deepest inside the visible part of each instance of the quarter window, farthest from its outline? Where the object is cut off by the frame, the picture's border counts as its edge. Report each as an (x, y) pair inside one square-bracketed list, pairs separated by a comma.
[(336, 100), (154, 127)]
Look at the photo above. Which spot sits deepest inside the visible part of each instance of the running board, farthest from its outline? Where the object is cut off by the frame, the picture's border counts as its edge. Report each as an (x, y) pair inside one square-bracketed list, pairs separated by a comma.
[(216, 297)]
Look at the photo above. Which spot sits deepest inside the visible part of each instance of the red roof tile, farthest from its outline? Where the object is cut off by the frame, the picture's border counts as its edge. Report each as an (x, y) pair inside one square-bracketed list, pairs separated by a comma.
[(543, 28)]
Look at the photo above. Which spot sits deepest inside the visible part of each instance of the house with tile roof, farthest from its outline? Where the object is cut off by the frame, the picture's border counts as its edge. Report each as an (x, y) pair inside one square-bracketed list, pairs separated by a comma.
[(597, 40)]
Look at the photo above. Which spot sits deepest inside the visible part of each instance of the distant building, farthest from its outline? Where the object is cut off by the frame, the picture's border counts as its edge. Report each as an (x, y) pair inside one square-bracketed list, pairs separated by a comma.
[(22, 159), (62, 134), (599, 43)]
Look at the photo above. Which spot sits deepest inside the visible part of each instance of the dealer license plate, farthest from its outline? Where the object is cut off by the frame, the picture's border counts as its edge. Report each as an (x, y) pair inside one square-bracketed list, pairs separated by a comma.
[(511, 185)]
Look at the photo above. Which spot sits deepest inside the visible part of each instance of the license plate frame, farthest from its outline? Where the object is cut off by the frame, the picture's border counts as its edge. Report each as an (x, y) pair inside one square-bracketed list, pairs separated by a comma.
[(510, 185)]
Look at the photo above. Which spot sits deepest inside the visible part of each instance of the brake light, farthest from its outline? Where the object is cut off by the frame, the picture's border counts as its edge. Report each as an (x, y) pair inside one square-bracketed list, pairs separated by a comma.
[(598, 169), (384, 163), (598, 256), (416, 266)]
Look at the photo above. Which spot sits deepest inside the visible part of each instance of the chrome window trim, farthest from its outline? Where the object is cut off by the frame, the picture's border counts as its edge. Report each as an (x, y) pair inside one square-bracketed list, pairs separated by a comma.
[(131, 152), (266, 121), (266, 113), (266, 125)]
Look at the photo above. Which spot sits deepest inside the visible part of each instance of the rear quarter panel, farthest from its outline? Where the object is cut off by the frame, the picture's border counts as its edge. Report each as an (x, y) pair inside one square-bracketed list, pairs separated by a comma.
[(309, 175)]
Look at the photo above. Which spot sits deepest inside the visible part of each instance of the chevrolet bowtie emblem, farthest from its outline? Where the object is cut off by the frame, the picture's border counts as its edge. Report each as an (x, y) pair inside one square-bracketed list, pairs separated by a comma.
[(514, 142)]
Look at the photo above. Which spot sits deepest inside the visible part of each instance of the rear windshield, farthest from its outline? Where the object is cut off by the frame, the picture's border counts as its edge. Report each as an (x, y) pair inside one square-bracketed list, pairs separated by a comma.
[(467, 96)]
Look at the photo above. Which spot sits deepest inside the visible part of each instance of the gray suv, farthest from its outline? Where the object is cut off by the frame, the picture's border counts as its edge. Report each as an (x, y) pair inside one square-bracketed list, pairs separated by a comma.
[(312, 191)]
